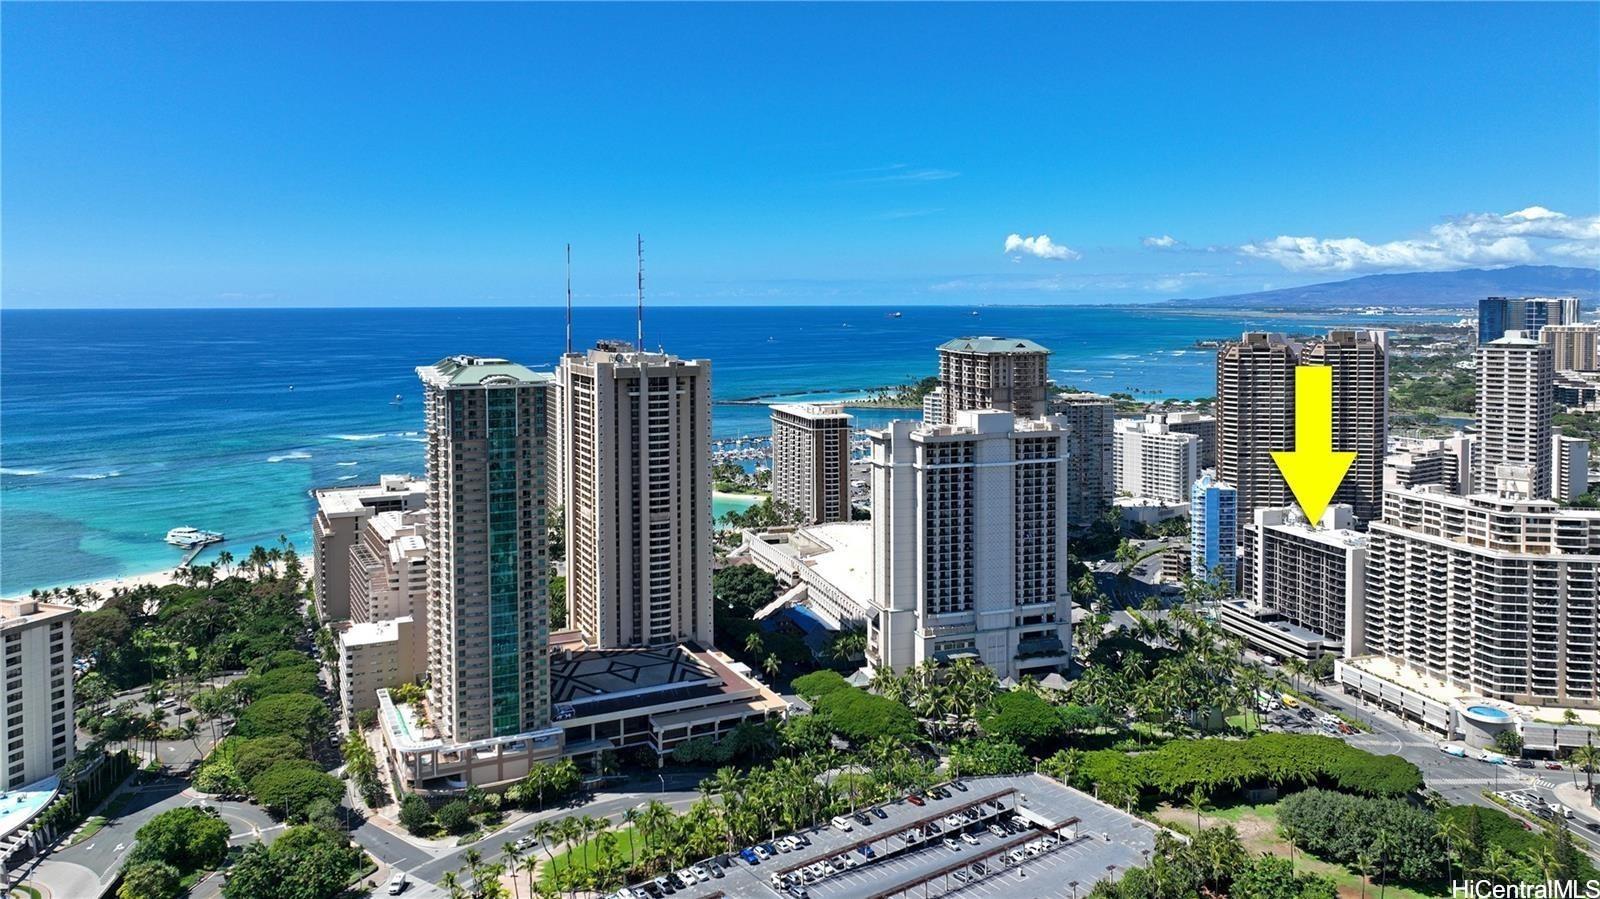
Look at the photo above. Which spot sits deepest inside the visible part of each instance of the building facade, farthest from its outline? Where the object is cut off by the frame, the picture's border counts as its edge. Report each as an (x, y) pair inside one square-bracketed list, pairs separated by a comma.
[(1091, 476), (1200, 425), (488, 617), (336, 528), (1446, 461), (811, 460), (37, 703), (1360, 363), (1314, 577), (1006, 373), (1574, 347), (970, 543), (1493, 593), (1498, 316), (1515, 404), (1569, 467), (1214, 529), (1255, 417), (377, 655), (1153, 462), (637, 451), (389, 568)]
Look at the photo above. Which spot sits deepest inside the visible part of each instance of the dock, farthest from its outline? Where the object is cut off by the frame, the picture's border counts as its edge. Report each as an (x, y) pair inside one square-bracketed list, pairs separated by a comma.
[(196, 549)]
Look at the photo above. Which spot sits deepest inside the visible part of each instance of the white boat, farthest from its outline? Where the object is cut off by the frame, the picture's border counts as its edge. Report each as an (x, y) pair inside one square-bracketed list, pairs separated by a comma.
[(187, 537)]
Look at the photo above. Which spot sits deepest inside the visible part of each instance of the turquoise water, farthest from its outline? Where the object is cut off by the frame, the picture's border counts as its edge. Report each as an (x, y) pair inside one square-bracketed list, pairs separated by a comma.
[(118, 426)]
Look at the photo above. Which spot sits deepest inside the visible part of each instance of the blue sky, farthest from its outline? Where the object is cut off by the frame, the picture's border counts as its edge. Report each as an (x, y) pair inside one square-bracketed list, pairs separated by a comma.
[(279, 154)]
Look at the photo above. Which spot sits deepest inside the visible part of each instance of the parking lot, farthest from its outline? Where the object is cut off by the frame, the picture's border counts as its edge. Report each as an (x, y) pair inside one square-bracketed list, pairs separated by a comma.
[(940, 844)]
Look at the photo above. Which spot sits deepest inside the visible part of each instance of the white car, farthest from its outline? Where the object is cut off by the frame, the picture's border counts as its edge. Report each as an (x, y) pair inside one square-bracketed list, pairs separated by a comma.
[(525, 843), (688, 876), (969, 839), (397, 883), (842, 824), (701, 872)]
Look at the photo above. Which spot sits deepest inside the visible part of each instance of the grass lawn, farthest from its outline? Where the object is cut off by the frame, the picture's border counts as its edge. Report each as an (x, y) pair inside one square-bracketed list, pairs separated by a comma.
[(574, 856), (1258, 831), (90, 828), (23, 891)]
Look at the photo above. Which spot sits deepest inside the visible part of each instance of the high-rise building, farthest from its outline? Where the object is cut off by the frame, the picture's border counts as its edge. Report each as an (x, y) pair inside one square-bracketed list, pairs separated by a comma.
[(1152, 462), (1255, 417), (811, 460), (933, 406), (969, 536), (377, 655), (1315, 577), (1498, 316), (1091, 476), (488, 615), (389, 568), (1360, 363), (1515, 405), (1493, 593), (1200, 425), (1446, 461), (1569, 462), (554, 463), (36, 704), (336, 528), (1573, 347), (1214, 529), (638, 466), (1006, 373)]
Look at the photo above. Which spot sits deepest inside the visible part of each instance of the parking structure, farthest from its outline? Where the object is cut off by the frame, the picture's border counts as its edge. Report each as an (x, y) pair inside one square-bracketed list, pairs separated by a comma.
[(1047, 840)]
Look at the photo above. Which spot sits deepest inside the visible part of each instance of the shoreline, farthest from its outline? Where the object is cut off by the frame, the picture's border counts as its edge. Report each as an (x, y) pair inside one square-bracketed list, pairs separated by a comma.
[(104, 586)]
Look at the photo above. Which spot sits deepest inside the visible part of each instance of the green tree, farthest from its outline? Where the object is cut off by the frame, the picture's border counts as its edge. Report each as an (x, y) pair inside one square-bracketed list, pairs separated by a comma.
[(186, 838), (1025, 719), (454, 816), (743, 589), (150, 880), (298, 715), (416, 816), (251, 757), (287, 789), (1509, 742)]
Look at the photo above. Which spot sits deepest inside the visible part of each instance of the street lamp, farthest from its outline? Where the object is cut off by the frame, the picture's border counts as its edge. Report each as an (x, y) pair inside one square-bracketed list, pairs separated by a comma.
[(663, 779)]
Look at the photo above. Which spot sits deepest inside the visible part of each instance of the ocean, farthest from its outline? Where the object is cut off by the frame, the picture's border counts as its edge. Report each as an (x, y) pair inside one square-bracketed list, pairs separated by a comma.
[(116, 426)]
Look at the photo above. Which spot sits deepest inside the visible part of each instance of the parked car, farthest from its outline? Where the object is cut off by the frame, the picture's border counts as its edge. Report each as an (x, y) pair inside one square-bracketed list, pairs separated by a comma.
[(866, 851), (969, 839), (862, 819), (665, 885), (952, 845), (914, 799), (701, 871), (879, 812), (748, 855), (959, 785), (841, 824)]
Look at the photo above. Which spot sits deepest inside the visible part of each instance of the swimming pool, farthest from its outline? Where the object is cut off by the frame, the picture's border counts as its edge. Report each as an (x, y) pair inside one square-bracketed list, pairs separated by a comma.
[(1488, 714), (17, 807)]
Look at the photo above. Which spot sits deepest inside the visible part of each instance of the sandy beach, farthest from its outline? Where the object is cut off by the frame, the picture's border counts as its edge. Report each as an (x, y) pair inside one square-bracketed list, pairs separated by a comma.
[(127, 582)]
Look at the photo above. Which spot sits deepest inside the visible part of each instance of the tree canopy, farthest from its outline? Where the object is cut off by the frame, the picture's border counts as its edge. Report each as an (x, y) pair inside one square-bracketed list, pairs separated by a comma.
[(186, 838)]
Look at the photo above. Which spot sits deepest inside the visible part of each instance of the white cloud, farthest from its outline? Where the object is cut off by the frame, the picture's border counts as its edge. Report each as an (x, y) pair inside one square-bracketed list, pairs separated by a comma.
[(1482, 238), (1164, 242), (1041, 246), (899, 172)]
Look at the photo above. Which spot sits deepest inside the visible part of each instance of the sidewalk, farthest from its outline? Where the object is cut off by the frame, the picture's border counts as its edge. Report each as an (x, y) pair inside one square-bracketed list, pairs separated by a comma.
[(1577, 799)]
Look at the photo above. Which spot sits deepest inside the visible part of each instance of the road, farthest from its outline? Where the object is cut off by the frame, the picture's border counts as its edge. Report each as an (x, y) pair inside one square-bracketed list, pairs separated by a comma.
[(1461, 781), (427, 865)]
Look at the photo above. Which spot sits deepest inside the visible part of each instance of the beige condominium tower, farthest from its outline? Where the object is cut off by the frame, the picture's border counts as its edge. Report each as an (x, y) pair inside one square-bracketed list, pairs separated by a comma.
[(1515, 406), (1360, 363), (1005, 373), (636, 458), (488, 600), (1255, 418), (811, 460)]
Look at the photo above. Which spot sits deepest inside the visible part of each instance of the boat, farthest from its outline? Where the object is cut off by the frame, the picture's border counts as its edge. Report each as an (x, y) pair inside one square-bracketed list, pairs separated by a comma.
[(896, 314), (188, 537), (398, 399)]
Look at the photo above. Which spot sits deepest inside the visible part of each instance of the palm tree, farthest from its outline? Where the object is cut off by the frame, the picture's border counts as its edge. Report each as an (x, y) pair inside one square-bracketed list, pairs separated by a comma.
[(1587, 757), (771, 666), (513, 857), (1197, 801), (545, 830), (753, 644), (451, 886)]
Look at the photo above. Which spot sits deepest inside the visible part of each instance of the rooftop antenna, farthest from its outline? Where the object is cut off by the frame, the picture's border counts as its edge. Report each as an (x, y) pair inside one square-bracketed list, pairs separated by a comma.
[(639, 337), (569, 299)]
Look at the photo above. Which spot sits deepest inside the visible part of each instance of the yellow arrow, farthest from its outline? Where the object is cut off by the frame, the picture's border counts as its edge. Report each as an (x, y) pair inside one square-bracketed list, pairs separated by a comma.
[(1314, 469)]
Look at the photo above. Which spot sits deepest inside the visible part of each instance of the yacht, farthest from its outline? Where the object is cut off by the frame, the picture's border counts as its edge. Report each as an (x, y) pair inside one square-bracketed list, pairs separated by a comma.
[(187, 537)]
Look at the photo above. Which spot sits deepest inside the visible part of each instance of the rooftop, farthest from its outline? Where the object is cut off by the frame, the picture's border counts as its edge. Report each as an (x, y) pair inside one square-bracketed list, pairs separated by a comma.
[(847, 561), (371, 633), (358, 498), (812, 410), (1018, 345), (479, 371), (23, 612)]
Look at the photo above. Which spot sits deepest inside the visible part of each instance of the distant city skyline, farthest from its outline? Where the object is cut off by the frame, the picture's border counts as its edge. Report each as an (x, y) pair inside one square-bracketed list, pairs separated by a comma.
[(427, 155)]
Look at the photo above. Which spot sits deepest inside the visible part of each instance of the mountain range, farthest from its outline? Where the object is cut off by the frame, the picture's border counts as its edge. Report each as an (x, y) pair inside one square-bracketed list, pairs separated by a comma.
[(1431, 289)]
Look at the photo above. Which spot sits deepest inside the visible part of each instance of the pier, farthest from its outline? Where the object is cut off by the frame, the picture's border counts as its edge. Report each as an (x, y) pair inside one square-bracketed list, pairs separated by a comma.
[(195, 549)]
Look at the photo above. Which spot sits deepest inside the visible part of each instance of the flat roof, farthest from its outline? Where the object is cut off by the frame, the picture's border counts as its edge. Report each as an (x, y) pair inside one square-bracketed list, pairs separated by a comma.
[(359, 497), (480, 371), (848, 562), (1105, 836), (1019, 345), (812, 410), (368, 633)]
